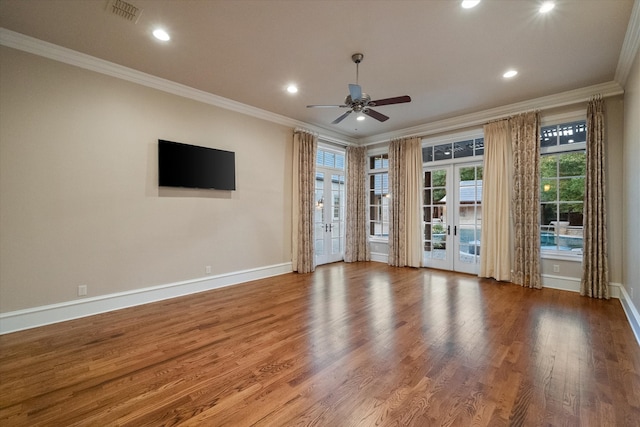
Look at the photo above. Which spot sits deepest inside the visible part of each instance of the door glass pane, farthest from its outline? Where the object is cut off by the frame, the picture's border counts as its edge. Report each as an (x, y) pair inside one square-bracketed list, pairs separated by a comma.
[(337, 196), (434, 210), (319, 214), (337, 213), (440, 178), (469, 208), (336, 246), (319, 211)]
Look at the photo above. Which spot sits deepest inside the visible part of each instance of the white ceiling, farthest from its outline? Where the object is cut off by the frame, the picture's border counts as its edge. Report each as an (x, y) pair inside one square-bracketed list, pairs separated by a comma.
[(450, 60)]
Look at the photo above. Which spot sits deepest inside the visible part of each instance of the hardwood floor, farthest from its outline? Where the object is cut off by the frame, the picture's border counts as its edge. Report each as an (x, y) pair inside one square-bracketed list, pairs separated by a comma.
[(359, 344)]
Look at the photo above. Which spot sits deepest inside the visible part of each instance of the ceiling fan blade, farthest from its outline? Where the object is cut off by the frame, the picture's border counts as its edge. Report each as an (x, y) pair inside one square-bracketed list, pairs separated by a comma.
[(341, 118), (373, 113), (388, 101), (355, 91), (327, 106)]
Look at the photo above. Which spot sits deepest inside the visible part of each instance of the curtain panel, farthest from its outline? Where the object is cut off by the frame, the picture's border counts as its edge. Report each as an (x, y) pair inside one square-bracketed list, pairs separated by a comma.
[(305, 145), (356, 235), (405, 210), (495, 240), (526, 199), (595, 267)]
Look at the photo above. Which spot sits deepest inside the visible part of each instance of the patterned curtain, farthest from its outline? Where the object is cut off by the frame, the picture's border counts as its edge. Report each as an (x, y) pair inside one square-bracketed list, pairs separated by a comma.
[(357, 237), (595, 268), (405, 210), (305, 145), (525, 204), (496, 237)]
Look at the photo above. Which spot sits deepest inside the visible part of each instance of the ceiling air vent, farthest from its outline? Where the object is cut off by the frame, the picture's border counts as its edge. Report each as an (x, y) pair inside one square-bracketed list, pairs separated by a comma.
[(124, 10)]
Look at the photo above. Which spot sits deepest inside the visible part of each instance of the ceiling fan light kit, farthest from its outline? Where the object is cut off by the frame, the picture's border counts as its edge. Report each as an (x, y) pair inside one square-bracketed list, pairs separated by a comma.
[(361, 102)]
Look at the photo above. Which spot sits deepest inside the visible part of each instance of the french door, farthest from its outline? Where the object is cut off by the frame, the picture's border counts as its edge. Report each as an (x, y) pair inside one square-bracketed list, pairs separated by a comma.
[(329, 216), (453, 217)]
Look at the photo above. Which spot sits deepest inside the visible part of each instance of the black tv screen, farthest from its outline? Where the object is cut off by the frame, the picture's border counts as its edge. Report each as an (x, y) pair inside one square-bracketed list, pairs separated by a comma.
[(190, 166)]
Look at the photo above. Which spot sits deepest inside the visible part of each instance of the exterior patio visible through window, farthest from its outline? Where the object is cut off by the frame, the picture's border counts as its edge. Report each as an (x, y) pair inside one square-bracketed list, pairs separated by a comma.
[(562, 172)]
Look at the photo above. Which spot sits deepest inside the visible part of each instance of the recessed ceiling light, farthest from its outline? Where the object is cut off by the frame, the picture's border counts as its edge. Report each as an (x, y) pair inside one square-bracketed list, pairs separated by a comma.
[(468, 4), (161, 34), (509, 74), (292, 88), (360, 118), (547, 6)]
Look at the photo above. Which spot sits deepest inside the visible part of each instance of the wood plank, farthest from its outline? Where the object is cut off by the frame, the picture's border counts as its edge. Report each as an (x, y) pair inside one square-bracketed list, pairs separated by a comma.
[(351, 345)]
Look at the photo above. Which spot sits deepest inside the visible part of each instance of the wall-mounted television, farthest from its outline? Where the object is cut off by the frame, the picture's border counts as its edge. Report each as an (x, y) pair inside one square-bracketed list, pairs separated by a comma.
[(191, 166)]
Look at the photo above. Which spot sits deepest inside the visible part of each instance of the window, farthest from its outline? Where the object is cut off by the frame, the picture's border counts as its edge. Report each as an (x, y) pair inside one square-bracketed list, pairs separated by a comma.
[(453, 150), (434, 206), (379, 196), (330, 159), (562, 181)]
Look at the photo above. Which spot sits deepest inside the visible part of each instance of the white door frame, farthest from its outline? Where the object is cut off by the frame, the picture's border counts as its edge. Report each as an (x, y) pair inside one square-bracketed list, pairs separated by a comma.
[(445, 247), (329, 221)]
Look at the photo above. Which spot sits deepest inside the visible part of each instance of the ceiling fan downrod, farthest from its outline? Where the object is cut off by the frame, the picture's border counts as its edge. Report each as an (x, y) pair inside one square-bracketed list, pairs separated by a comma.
[(357, 58)]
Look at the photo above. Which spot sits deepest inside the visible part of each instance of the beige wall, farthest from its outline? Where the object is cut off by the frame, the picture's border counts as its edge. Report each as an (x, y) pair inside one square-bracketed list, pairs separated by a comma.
[(614, 109), (631, 184), (79, 200)]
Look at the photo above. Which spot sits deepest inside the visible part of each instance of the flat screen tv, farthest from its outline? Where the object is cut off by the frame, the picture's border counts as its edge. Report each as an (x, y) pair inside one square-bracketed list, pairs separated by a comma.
[(190, 166)]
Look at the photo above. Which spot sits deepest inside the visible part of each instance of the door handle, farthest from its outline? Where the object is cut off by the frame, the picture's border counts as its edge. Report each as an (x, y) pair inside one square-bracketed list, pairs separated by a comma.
[(455, 230), (448, 230)]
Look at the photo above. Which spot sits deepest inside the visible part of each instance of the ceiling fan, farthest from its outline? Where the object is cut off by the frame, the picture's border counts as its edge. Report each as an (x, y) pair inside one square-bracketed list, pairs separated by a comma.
[(359, 101)]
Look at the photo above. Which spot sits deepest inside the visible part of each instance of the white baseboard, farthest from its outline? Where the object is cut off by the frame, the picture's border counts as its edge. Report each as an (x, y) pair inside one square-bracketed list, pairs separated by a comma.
[(562, 283), (45, 315), (378, 257), (572, 284), (631, 311)]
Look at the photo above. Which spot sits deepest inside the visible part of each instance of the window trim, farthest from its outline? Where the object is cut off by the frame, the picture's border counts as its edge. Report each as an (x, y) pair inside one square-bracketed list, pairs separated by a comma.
[(433, 141), (370, 172), (560, 119)]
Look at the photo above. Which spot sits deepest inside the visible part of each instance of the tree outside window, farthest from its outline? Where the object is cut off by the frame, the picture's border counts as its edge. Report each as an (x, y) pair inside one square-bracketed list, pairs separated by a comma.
[(561, 197)]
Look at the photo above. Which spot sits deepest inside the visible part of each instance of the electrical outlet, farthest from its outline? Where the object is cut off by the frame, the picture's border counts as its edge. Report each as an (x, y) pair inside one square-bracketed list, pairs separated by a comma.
[(82, 290), (208, 269), (556, 268)]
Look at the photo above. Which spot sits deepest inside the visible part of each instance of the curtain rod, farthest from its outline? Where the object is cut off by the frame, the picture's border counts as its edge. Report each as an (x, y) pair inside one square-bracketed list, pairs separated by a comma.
[(324, 138), (301, 130)]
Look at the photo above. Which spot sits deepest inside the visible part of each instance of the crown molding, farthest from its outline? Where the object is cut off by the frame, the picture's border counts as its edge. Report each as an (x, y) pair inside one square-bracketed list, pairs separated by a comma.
[(630, 46), (480, 118), (48, 50)]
